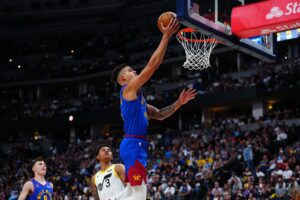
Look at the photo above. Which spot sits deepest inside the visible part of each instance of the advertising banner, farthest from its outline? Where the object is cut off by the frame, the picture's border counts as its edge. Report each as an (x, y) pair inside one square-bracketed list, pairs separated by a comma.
[(265, 17)]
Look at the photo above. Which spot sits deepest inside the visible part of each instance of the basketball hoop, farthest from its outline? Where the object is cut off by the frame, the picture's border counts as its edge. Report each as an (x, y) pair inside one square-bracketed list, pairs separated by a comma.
[(198, 48)]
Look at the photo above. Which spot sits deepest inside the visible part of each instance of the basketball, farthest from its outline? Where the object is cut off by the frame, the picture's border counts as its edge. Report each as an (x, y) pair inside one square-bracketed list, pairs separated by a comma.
[(165, 18)]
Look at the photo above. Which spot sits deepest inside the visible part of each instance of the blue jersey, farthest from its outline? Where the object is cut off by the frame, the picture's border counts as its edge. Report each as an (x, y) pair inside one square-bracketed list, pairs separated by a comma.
[(42, 192), (134, 114)]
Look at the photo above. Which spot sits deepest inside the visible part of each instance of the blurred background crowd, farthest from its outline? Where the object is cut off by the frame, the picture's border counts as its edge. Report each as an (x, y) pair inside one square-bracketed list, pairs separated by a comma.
[(221, 161), (239, 139)]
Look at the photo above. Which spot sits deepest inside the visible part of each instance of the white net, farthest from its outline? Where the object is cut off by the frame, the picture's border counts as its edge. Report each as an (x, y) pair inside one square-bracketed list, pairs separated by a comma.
[(198, 48)]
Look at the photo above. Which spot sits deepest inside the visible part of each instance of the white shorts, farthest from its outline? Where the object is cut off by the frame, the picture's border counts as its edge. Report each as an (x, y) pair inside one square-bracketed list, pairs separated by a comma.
[(132, 193)]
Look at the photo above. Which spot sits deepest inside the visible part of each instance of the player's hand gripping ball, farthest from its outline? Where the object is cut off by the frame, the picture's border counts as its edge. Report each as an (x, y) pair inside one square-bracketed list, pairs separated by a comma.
[(164, 19)]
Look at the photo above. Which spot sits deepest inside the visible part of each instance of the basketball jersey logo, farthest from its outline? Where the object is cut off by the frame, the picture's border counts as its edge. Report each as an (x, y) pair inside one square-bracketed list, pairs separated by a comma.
[(142, 101), (44, 195), (41, 192), (137, 174), (105, 182), (136, 177)]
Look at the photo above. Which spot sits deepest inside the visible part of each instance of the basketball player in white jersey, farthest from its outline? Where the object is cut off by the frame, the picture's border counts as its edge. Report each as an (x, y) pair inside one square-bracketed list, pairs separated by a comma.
[(107, 183)]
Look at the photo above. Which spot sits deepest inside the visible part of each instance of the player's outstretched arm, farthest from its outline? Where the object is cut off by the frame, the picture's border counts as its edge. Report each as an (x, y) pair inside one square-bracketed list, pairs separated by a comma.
[(161, 114), (120, 169), (94, 189), (155, 60), (27, 188)]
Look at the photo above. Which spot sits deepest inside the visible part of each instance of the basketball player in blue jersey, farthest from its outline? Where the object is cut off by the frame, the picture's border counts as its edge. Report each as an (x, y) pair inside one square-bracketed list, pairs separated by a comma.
[(38, 187), (136, 112)]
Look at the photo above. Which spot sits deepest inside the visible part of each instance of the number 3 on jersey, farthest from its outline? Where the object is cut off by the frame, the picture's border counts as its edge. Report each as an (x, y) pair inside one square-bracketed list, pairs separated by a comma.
[(106, 181)]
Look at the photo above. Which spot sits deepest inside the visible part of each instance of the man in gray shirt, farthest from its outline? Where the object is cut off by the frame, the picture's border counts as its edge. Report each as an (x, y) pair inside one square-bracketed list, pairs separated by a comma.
[(281, 190)]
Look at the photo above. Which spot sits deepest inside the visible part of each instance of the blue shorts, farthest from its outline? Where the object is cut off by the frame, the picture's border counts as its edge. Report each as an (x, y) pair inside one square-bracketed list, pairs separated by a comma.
[(133, 152)]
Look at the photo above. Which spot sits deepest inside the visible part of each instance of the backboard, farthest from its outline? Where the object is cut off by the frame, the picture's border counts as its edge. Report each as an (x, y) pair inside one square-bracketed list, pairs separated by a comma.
[(212, 17)]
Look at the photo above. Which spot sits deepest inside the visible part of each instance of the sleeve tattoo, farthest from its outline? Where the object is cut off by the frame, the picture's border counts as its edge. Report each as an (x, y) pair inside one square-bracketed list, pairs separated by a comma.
[(161, 114)]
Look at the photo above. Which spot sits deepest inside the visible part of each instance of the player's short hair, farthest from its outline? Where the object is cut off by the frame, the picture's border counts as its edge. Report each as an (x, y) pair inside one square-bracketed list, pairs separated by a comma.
[(116, 71), (102, 145), (39, 158)]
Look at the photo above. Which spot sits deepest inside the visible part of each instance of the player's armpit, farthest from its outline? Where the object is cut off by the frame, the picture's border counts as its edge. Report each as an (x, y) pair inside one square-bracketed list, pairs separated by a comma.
[(26, 190), (94, 189), (137, 82)]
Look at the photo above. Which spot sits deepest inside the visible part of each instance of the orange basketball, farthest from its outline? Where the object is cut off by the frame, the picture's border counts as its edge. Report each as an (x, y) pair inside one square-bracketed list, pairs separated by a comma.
[(165, 18)]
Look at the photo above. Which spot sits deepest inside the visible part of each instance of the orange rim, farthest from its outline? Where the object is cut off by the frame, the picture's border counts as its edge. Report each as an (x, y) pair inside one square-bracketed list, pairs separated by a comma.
[(191, 30)]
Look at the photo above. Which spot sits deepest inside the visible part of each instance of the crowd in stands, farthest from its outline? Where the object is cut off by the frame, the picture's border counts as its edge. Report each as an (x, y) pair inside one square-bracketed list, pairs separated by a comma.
[(216, 161), (210, 162), (266, 78), (60, 55), (75, 53), (14, 107)]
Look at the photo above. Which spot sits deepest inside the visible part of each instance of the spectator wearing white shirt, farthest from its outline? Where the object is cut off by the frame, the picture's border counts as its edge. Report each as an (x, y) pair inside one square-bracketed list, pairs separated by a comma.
[(169, 191), (281, 190), (259, 173), (157, 194), (281, 135), (217, 191), (281, 138), (277, 172), (294, 189), (287, 173), (235, 183)]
